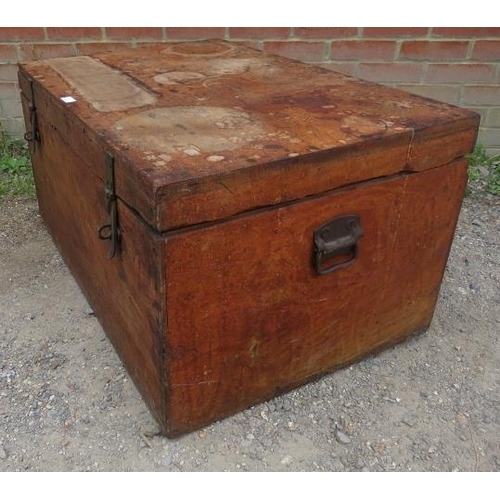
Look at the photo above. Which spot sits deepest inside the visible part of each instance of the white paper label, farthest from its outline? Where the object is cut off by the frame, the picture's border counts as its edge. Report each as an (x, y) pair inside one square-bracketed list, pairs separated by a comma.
[(68, 99)]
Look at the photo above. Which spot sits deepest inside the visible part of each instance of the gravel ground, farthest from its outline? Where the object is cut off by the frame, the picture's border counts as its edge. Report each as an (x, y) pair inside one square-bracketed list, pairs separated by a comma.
[(428, 404)]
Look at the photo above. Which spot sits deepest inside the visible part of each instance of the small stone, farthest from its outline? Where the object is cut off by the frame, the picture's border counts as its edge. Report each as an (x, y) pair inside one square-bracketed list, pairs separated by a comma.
[(178, 463), (56, 260), (359, 463), (88, 311), (287, 460), (3, 453), (267, 442), (191, 152), (424, 394), (408, 421), (250, 437), (342, 437), (287, 406), (167, 460)]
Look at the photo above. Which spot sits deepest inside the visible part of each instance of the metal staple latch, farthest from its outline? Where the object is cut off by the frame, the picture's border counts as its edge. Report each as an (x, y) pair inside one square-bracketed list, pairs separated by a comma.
[(32, 135), (110, 231)]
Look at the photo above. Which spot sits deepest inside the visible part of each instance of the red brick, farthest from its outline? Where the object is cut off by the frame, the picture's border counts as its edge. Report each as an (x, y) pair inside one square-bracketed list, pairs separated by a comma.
[(394, 32), (303, 51), (260, 33), (11, 108), (363, 50), (253, 44), (97, 47), (46, 51), (433, 51), (74, 33), (493, 119), (8, 53), (326, 32), (446, 93), (195, 33), (466, 32), (345, 68), (129, 33), (481, 94), (8, 72), (13, 126), (486, 50), (460, 73), (8, 90), (21, 34), (390, 72), (490, 136)]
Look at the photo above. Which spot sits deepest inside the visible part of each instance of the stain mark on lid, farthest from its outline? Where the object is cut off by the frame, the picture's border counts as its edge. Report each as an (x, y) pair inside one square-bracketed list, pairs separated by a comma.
[(105, 88), (190, 130)]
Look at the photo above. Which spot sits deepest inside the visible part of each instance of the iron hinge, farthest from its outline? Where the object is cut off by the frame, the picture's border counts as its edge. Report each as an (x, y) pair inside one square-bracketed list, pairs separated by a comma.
[(111, 230), (32, 135)]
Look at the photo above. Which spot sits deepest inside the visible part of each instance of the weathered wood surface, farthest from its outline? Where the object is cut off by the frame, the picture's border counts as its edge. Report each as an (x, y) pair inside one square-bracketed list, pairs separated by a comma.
[(126, 293), (248, 317), (192, 125), (226, 161)]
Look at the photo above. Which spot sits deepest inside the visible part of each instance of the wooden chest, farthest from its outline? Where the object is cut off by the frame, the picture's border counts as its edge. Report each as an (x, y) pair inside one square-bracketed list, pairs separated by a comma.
[(242, 223)]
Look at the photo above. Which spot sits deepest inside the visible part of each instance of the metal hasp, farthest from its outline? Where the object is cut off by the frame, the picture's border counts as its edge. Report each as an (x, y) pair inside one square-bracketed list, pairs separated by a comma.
[(110, 231), (336, 238), (32, 135)]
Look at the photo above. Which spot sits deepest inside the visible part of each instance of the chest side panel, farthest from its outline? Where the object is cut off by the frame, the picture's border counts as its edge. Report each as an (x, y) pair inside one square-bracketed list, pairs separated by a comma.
[(125, 292), (249, 317)]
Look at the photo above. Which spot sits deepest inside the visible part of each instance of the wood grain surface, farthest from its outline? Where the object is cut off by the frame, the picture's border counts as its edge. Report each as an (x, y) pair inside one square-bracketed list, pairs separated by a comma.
[(226, 162), (248, 317), (217, 117), (125, 292)]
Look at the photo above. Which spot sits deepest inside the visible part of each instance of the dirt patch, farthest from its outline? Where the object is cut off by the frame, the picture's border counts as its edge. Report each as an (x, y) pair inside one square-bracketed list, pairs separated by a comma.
[(429, 404)]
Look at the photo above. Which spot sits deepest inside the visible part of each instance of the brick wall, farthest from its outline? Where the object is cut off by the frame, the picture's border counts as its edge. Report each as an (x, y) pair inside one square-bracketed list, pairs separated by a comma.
[(457, 65)]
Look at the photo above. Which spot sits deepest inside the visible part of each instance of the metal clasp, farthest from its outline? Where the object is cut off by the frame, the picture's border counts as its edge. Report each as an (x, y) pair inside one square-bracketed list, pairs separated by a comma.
[(32, 135), (111, 230)]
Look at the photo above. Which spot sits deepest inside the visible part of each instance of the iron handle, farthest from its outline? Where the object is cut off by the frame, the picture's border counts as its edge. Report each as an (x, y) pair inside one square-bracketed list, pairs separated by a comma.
[(336, 238)]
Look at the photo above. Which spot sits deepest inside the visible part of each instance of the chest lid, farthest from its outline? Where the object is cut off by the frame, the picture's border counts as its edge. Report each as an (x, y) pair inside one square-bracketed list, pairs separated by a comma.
[(201, 131)]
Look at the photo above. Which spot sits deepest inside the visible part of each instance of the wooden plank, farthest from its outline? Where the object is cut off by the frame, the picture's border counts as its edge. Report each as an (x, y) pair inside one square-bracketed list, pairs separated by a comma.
[(213, 122), (248, 317), (125, 292)]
